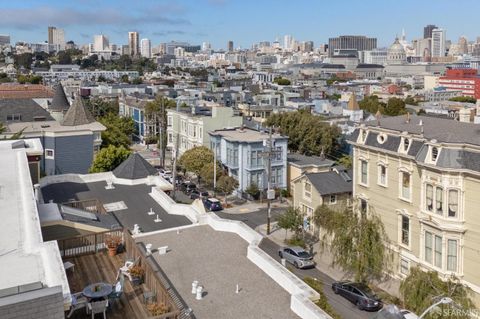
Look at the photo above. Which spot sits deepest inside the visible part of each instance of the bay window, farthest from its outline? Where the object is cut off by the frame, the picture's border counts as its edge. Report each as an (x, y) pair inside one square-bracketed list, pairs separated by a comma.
[(429, 198), (405, 185), (452, 255), (438, 251), (439, 201), (428, 247), (452, 203), (363, 172)]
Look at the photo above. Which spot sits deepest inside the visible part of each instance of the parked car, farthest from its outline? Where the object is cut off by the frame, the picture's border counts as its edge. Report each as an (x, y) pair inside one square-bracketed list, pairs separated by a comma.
[(188, 187), (297, 256), (392, 312), (167, 174), (198, 194), (212, 204), (359, 294)]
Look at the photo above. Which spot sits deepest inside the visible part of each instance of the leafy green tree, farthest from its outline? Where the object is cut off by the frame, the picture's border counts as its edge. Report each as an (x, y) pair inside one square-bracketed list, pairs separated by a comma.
[(33, 79), (464, 99), (24, 59), (395, 106), (372, 104), (194, 159), (410, 101), (109, 158), (307, 134), (3, 128), (281, 81), (207, 173), (421, 112), (64, 58), (346, 161), (253, 190), (100, 107), (226, 184), (291, 220), (356, 242), (101, 78), (124, 79), (119, 130), (422, 288), (137, 80)]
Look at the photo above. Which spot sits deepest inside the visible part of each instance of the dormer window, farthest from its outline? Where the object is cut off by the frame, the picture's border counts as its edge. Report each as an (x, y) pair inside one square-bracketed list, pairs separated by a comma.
[(434, 154), (364, 135), (406, 144)]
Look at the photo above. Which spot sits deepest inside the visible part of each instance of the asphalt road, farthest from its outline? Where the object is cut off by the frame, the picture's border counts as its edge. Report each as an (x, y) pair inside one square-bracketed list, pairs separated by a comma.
[(342, 306)]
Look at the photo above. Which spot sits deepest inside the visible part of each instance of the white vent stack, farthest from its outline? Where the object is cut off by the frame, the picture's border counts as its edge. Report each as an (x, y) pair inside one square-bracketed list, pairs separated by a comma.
[(151, 212), (157, 220), (148, 248), (237, 290), (199, 293), (194, 287), (109, 184), (136, 229), (162, 250)]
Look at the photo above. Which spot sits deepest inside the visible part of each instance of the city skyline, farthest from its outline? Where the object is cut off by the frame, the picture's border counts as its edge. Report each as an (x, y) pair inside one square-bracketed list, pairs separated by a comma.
[(243, 22)]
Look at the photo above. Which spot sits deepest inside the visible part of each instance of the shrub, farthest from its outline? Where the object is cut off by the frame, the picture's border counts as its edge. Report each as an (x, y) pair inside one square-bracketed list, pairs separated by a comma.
[(322, 302)]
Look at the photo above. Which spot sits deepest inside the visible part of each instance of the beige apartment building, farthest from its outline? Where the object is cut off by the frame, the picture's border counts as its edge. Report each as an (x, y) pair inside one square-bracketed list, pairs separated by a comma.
[(421, 175)]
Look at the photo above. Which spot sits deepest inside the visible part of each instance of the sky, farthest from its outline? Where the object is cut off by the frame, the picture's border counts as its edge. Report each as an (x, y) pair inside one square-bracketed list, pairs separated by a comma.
[(242, 21)]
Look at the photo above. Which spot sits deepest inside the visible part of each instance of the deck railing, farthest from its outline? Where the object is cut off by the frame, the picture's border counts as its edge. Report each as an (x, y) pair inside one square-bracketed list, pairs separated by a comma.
[(86, 244)]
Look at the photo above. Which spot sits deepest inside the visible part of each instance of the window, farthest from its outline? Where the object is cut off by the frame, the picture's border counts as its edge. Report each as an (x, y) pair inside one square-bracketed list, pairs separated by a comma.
[(438, 251), (170, 138), (363, 172), (278, 153), (428, 247), (439, 200), (429, 198), (49, 153), (256, 159), (452, 255), (169, 121), (14, 117), (382, 175), (406, 144), (363, 135), (434, 154), (452, 203), (405, 230), (405, 185), (307, 190), (333, 199), (404, 266)]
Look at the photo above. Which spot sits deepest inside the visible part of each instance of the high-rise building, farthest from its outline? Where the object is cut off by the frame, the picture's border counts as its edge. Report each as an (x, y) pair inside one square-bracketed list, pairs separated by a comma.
[(133, 43), (462, 45), (306, 46), (287, 42), (427, 31), (230, 46), (438, 43), (125, 49), (351, 43), (146, 48), (4, 39), (57, 37), (100, 43), (206, 46)]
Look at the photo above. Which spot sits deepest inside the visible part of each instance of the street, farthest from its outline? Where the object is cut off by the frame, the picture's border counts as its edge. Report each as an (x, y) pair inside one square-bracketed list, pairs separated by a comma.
[(342, 306)]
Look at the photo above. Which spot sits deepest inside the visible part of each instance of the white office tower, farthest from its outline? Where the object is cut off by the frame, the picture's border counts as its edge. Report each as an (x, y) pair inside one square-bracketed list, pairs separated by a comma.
[(100, 43), (206, 46), (57, 37), (438, 43), (146, 48), (287, 42)]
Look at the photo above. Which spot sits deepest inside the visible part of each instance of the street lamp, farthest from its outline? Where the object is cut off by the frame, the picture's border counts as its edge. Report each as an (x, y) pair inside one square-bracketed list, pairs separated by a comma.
[(443, 301)]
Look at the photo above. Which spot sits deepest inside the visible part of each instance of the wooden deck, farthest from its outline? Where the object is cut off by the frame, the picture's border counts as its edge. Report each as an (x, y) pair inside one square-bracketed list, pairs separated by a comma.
[(100, 267)]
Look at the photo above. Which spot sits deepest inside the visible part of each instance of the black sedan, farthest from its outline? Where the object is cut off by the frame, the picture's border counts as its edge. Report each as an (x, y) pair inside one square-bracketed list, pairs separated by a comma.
[(359, 294)]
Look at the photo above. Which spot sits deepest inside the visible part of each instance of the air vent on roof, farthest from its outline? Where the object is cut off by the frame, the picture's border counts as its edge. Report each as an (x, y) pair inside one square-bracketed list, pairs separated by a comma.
[(77, 212)]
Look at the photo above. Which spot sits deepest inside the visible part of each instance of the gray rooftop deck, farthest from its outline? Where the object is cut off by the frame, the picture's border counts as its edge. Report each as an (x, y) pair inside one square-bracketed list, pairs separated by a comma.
[(218, 261), (136, 199)]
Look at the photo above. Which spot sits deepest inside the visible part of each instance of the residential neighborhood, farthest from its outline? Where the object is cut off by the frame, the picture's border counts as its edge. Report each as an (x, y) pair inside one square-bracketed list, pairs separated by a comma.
[(226, 159)]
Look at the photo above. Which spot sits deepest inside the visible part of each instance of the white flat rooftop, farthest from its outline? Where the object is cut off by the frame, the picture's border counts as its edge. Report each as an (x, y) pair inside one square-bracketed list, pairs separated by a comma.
[(25, 260)]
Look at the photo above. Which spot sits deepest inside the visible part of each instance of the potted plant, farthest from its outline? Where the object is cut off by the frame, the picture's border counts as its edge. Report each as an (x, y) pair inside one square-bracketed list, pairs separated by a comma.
[(136, 273), (157, 309), (112, 242)]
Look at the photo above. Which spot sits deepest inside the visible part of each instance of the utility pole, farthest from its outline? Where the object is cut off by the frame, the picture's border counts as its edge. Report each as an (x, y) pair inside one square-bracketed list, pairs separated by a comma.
[(269, 154), (214, 168), (174, 166), (162, 125)]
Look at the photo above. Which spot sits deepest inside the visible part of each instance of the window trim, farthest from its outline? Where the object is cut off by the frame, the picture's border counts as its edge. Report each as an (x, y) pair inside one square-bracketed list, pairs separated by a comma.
[(400, 185), (49, 156), (379, 174), (360, 182), (330, 202), (309, 198)]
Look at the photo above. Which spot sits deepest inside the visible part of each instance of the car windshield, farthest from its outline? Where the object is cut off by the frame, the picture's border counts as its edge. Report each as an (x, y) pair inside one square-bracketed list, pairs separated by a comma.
[(303, 254)]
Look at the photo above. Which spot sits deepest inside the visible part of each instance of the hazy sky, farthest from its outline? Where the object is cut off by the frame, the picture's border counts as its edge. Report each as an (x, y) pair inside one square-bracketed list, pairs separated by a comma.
[(243, 21)]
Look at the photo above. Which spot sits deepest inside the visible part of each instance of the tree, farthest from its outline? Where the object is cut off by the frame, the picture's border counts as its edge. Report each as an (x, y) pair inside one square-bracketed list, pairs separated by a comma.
[(100, 107), (226, 184), (137, 80), (464, 99), (253, 190), (34, 79), (194, 159), (291, 220), (124, 78), (395, 106), (410, 101), (346, 161), (109, 158), (281, 81), (372, 104), (64, 58), (23, 60), (207, 173), (307, 134), (421, 289), (421, 112), (119, 130), (356, 241)]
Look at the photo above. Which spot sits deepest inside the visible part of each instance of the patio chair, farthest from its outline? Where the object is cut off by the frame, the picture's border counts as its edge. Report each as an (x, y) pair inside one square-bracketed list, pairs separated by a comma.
[(78, 302), (125, 269), (98, 307), (117, 289)]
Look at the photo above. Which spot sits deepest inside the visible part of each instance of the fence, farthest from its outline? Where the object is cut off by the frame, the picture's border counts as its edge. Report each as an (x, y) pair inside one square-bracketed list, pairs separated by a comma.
[(156, 281), (86, 244)]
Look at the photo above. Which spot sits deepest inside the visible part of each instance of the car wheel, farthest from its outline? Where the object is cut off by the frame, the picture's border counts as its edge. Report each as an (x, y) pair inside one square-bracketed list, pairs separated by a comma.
[(280, 254), (359, 305), (295, 264), (335, 290)]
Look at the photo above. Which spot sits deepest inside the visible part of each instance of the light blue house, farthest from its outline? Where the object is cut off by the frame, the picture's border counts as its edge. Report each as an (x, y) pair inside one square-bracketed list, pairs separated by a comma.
[(243, 152)]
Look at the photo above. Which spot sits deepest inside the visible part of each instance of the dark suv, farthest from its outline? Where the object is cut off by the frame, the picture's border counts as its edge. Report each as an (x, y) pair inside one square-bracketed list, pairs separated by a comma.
[(188, 187)]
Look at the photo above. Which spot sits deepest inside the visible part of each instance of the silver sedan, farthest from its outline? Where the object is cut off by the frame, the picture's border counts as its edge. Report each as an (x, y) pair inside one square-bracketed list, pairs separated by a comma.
[(296, 256)]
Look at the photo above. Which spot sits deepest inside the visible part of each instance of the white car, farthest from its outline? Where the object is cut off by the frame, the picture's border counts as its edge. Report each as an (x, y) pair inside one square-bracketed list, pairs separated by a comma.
[(165, 173), (392, 312)]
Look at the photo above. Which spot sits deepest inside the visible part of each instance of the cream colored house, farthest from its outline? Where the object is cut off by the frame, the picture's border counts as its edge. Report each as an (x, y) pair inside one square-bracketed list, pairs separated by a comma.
[(421, 175), (332, 188), (299, 164)]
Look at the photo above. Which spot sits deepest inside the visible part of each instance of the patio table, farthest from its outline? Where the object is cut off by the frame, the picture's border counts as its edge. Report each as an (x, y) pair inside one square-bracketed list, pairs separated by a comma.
[(98, 290)]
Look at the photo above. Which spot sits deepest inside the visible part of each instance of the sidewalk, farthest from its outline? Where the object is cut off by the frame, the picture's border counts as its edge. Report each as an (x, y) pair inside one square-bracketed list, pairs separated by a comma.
[(250, 207), (324, 261)]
